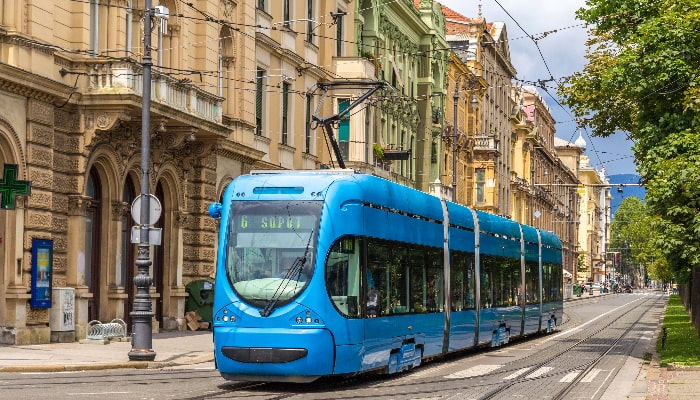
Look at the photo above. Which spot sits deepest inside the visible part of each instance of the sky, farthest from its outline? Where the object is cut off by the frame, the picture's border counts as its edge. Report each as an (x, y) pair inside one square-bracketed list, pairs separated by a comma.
[(561, 39)]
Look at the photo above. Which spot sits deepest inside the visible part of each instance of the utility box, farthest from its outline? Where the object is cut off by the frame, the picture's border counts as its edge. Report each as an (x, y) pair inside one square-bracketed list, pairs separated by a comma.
[(62, 315), (201, 298)]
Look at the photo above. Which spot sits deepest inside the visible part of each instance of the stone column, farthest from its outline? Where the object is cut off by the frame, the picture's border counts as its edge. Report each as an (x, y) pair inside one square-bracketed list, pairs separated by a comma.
[(75, 268)]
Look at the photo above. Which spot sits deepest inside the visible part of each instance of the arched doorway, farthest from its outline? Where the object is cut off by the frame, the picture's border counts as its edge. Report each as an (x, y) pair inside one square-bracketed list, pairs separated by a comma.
[(128, 267), (92, 243), (159, 258)]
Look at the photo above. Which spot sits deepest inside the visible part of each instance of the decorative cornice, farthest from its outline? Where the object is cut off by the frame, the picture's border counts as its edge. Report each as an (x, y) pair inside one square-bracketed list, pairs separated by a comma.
[(31, 85)]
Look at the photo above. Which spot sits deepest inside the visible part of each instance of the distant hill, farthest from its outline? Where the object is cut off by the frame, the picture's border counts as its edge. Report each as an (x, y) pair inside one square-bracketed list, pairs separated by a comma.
[(627, 191)]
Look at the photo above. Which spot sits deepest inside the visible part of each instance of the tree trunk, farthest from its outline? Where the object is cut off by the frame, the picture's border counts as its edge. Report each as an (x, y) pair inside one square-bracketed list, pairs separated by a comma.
[(694, 309)]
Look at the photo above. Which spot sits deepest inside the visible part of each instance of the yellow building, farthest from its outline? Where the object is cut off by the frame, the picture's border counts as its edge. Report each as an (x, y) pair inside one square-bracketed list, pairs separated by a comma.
[(594, 210), (483, 47)]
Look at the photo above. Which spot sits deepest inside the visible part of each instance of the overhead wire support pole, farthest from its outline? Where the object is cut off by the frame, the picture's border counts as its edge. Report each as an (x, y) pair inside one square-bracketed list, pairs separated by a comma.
[(141, 314), (326, 122)]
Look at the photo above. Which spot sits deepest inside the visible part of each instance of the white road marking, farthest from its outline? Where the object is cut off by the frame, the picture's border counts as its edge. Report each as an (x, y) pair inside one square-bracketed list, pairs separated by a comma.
[(516, 374), (568, 378), (539, 372), (477, 370)]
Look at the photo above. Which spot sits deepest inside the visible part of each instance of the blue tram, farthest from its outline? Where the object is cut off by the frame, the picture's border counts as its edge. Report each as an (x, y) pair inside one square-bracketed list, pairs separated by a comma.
[(332, 272)]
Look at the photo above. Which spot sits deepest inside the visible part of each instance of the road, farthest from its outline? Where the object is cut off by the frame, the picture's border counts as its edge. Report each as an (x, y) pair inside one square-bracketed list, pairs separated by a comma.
[(596, 354)]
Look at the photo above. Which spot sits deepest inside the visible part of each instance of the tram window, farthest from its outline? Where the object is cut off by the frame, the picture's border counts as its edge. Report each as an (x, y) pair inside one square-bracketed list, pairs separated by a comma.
[(532, 278), (408, 279), (434, 281), (343, 275), (500, 281), (551, 282), (515, 290), (398, 284), (425, 277), (417, 279), (489, 266), (462, 281), (377, 269)]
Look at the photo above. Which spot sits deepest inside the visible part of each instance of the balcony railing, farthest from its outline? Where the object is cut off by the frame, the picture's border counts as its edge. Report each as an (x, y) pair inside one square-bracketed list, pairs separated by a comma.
[(127, 78), (485, 143)]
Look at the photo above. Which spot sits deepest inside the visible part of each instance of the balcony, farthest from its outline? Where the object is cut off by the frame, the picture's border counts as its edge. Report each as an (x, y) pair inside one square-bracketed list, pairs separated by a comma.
[(106, 78), (354, 68), (486, 143)]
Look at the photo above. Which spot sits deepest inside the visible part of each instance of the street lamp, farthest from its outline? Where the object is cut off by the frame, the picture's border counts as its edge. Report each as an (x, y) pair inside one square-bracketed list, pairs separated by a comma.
[(142, 335), (473, 104)]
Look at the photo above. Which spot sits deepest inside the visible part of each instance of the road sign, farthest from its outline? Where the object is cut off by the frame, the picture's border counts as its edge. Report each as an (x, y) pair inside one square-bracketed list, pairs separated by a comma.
[(155, 235), (154, 209)]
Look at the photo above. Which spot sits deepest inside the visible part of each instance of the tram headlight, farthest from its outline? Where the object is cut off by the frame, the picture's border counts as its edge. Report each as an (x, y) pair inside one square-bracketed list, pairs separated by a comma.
[(225, 316), (299, 320), (308, 320)]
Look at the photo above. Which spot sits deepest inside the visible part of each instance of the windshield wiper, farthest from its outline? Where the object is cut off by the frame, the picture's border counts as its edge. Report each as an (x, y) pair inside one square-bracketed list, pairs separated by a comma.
[(294, 272)]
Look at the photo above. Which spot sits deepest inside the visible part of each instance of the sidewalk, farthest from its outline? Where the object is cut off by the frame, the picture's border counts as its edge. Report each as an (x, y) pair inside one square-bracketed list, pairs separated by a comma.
[(171, 348)]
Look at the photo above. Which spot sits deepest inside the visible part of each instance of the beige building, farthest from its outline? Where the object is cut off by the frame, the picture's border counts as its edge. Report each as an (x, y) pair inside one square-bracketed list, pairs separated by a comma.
[(483, 47), (234, 87), (230, 92)]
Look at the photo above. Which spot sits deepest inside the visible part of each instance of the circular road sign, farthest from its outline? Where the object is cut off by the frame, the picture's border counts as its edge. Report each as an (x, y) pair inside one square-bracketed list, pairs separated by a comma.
[(154, 209)]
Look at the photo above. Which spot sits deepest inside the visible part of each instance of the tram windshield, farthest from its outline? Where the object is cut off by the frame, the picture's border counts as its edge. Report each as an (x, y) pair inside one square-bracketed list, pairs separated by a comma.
[(270, 249)]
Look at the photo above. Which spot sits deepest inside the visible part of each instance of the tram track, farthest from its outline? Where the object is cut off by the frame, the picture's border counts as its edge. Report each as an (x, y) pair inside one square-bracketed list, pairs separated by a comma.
[(557, 362), (606, 335)]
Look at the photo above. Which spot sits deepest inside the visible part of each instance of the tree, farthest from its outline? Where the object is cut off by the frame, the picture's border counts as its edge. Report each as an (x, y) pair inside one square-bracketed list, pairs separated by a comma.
[(632, 234), (642, 77)]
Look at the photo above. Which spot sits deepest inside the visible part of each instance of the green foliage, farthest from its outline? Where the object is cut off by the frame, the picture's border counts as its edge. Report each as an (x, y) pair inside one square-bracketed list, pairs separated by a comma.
[(682, 345), (642, 78), (581, 265), (633, 234), (378, 151)]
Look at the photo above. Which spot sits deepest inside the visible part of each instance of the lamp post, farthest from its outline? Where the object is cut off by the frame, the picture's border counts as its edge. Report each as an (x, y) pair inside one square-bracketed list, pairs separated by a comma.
[(141, 314), (455, 99)]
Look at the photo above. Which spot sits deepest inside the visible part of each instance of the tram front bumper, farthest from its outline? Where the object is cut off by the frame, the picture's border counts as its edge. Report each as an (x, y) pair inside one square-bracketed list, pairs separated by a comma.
[(263, 354), (274, 354)]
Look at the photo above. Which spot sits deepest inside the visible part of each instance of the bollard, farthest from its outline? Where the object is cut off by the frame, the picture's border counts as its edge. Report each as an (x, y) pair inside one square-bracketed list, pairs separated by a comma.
[(663, 338)]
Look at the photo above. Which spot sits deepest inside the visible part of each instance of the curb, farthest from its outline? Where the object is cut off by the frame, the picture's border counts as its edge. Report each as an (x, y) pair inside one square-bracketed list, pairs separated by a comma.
[(105, 366)]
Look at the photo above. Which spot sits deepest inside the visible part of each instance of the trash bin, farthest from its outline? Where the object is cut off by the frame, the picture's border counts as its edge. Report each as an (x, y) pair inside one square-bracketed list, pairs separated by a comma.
[(201, 298), (577, 290)]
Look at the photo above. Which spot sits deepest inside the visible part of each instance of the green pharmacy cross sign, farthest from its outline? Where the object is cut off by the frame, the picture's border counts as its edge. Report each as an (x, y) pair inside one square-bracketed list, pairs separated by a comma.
[(10, 187)]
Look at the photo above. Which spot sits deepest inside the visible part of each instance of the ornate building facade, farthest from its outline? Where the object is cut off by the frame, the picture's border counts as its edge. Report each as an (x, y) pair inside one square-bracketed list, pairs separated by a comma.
[(71, 90)]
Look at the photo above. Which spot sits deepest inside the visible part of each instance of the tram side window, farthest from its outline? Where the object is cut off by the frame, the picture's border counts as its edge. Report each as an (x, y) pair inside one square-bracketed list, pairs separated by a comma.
[(462, 281), (551, 282), (425, 277), (486, 281), (532, 279), (500, 281), (343, 275), (434, 280), (378, 255), (515, 290), (398, 282)]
